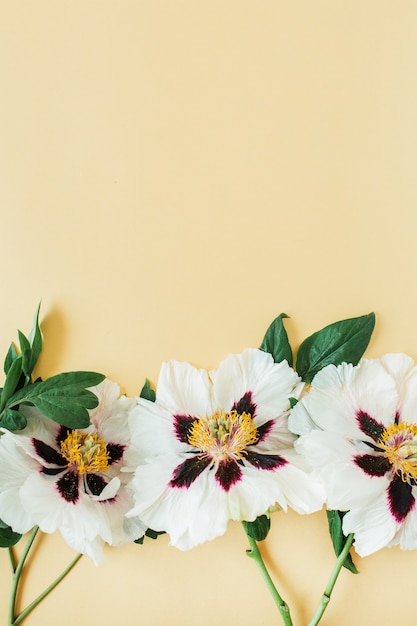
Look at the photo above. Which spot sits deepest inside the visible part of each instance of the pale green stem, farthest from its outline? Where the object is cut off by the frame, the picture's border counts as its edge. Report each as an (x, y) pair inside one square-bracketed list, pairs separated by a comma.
[(255, 554), (17, 574), (12, 559), (48, 590), (12, 620), (325, 599)]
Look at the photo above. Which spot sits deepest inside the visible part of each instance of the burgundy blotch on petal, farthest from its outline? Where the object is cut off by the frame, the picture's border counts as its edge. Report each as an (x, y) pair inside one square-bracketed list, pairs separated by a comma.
[(62, 435), (67, 486), (115, 451), (48, 454), (372, 464), (183, 425), (400, 498), (265, 461), (228, 473), (245, 405), (264, 430), (95, 484), (186, 473), (370, 426)]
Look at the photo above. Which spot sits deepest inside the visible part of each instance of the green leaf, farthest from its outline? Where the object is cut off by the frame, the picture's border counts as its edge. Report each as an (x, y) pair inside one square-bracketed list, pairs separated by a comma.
[(10, 357), (293, 402), (8, 537), (35, 338), (276, 341), (13, 420), (344, 341), (63, 398), (152, 534), (258, 529), (335, 519), (26, 352), (11, 382), (147, 392)]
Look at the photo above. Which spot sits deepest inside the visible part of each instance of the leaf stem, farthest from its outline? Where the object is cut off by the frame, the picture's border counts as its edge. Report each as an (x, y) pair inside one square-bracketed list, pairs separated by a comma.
[(255, 554), (325, 598), (17, 574), (48, 590), (12, 620), (12, 559)]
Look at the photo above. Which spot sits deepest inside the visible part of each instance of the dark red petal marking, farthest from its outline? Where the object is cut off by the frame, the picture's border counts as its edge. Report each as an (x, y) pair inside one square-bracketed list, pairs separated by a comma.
[(115, 451), (48, 454), (264, 430), (400, 498), (53, 471), (245, 405), (370, 426), (186, 473), (95, 484), (62, 435), (372, 464), (183, 425), (228, 473), (265, 461), (68, 487)]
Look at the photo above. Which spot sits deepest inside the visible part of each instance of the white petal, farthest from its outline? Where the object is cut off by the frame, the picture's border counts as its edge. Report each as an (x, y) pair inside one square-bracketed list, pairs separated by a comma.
[(271, 384), (374, 526), (183, 389)]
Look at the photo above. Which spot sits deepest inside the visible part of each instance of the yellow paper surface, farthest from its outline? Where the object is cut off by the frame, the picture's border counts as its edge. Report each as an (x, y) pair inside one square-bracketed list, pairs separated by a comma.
[(173, 175)]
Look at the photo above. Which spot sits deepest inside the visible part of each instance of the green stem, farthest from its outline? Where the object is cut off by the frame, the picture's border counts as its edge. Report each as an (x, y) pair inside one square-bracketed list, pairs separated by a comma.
[(325, 599), (17, 574), (12, 559), (12, 620), (48, 590), (255, 554)]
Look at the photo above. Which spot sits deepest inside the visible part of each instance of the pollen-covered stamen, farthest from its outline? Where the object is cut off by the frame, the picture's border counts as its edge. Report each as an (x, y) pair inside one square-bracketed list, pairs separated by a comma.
[(399, 444), (223, 435), (85, 452)]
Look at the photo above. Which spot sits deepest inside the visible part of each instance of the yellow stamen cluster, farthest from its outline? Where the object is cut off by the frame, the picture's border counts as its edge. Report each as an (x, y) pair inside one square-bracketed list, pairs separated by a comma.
[(399, 442), (223, 435), (87, 453)]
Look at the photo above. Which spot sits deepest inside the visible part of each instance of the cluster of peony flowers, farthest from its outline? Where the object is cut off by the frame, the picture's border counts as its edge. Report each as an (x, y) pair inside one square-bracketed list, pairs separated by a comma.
[(223, 445), (236, 443)]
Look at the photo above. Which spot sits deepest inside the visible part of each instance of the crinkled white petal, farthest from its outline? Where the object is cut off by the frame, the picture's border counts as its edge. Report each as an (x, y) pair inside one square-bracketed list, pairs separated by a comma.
[(271, 384), (374, 526), (403, 370), (184, 389), (406, 536), (338, 393), (15, 466), (332, 457), (110, 417)]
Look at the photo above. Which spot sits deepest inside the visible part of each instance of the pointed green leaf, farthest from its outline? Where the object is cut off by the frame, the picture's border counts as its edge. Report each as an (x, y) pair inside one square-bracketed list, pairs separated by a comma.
[(147, 392), (344, 341), (12, 380), (13, 420), (258, 529), (276, 341), (10, 357), (8, 537), (63, 398), (26, 352), (35, 338), (335, 519)]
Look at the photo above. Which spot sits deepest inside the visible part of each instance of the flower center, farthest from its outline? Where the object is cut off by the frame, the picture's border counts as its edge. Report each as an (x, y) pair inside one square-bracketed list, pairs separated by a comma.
[(223, 435), (399, 442), (87, 453)]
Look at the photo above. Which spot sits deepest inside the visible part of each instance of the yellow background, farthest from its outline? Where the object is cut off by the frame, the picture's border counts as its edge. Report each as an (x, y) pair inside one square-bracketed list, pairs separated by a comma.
[(174, 174)]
